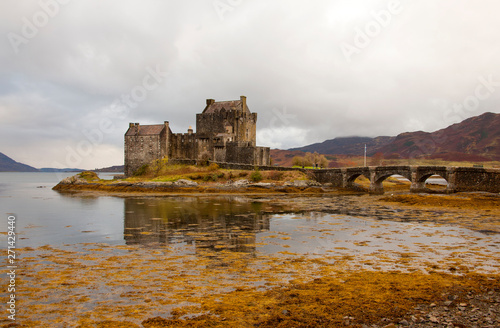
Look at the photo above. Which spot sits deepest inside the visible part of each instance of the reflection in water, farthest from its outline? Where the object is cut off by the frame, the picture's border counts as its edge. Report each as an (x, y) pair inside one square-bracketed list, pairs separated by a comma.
[(205, 222)]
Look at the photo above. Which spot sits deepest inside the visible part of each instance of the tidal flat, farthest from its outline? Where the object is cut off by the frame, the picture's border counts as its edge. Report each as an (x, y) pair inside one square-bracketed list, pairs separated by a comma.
[(275, 261)]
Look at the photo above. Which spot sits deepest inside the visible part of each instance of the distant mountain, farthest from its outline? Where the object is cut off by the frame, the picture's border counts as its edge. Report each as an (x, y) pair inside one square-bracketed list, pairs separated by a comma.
[(7, 164), (474, 139), (116, 168), (51, 169), (347, 146)]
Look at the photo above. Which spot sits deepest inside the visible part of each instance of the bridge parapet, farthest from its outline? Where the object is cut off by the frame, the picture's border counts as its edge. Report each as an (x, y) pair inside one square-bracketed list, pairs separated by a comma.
[(476, 179), (458, 178)]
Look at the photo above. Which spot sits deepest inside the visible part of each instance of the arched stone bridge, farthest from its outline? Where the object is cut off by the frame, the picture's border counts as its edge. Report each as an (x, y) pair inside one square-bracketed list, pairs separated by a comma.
[(458, 178)]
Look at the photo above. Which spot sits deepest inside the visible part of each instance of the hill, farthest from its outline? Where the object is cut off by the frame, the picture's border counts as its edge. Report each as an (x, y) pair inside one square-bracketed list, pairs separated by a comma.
[(7, 164), (115, 168), (474, 139), (51, 169), (347, 146)]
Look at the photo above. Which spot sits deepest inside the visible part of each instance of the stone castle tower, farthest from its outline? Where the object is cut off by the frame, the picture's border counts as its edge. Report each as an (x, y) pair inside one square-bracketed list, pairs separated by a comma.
[(225, 132)]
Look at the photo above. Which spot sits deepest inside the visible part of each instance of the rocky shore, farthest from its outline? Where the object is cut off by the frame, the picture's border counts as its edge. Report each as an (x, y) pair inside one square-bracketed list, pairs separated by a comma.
[(77, 183)]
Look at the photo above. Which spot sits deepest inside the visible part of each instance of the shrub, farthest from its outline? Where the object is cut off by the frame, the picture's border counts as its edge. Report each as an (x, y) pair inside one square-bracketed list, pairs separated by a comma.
[(212, 177), (213, 167), (142, 170), (275, 175), (196, 177), (204, 158), (88, 175), (256, 176)]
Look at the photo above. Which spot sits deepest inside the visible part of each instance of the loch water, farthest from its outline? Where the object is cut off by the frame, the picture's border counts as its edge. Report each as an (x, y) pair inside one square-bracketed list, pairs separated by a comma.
[(235, 223)]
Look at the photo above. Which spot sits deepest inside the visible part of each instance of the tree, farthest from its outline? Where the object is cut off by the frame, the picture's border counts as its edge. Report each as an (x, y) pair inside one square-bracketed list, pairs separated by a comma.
[(318, 160), (377, 159), (309, 159), (323, 162), (298, 161)]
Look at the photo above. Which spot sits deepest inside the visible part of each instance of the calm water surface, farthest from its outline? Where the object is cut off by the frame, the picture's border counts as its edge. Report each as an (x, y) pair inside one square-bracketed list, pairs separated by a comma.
[(46, 217)]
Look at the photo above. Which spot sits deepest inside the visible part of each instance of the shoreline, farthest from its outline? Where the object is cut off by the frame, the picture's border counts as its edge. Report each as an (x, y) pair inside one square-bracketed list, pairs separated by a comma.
[(91, 183)]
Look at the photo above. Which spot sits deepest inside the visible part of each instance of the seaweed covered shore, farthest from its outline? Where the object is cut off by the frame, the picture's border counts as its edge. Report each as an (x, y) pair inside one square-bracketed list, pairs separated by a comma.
[(102, 285)]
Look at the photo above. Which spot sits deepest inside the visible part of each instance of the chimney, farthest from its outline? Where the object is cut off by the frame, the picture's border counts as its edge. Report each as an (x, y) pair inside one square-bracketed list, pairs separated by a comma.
[(131, 125), (210, 101), (243, 102), (190, 130)]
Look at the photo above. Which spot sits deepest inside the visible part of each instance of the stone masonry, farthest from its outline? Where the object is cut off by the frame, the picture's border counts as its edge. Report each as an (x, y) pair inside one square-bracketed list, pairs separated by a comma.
[(225, 132)]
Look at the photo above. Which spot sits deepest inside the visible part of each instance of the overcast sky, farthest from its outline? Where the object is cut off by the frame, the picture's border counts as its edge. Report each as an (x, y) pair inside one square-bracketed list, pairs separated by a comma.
[(73, 74)]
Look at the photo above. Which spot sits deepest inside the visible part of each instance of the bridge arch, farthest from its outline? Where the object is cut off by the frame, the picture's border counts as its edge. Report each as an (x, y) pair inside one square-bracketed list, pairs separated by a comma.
[(349, 175), (422, 173), (424, 179), (379, 174)]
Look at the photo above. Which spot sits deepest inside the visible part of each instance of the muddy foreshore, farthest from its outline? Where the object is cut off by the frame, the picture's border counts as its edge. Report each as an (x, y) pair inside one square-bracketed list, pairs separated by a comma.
[(449, 293)]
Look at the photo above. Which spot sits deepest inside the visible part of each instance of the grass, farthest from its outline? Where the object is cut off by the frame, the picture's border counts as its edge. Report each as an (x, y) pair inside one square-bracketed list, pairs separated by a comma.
[(212, 174)]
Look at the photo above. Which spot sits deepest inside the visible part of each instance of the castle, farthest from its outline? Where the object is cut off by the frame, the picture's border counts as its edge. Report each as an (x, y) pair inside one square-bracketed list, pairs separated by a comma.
[(225, 132)]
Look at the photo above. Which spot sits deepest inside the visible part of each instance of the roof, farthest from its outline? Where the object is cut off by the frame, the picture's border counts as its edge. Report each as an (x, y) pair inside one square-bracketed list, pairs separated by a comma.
[(227, 105), (145, 130)]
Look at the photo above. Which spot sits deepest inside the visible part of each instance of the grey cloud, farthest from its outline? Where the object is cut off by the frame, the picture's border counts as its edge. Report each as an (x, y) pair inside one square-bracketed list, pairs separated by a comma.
[(283, 55)]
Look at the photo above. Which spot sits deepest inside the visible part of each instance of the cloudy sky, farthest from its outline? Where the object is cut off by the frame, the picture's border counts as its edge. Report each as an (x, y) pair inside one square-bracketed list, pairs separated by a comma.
[(74, 73)]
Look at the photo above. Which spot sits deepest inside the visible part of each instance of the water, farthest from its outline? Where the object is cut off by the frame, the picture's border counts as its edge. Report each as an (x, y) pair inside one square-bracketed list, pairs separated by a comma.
[(45, 217), (237, 223), (106, 254)]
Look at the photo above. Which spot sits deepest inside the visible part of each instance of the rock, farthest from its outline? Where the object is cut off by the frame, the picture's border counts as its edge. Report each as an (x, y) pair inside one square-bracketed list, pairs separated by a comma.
[(448, 303), (299, 184), (185, 183), (262, 185), (69, 180), (241, 183), (404, 322), (303, 184), (433, 319)]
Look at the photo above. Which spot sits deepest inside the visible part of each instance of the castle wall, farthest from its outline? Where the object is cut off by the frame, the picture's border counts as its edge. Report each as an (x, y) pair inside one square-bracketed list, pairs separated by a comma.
[(245, 153), (183, 146), (140, 150), (262, 156), (220, 154)]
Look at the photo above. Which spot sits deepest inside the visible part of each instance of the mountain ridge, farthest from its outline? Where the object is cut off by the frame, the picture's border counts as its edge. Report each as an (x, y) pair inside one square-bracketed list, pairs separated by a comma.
[(474, 139), (7, 164)]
